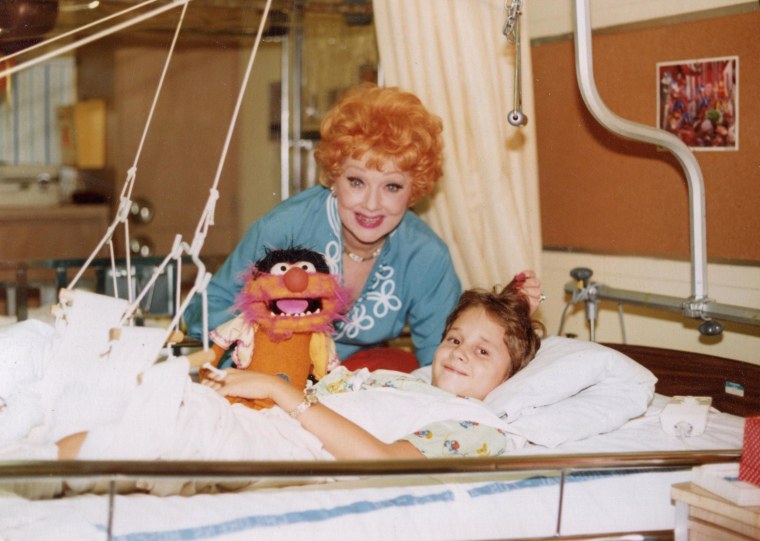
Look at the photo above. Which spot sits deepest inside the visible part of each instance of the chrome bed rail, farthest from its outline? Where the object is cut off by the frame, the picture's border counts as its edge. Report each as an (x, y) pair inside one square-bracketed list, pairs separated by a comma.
[(350, 468)]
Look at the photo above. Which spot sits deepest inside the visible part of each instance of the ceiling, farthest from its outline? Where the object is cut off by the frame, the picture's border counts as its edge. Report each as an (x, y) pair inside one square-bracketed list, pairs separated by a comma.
[(24, 22)]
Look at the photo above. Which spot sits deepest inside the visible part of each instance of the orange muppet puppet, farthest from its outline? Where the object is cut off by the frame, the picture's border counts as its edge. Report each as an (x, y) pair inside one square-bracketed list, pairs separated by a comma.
[(285, 320)]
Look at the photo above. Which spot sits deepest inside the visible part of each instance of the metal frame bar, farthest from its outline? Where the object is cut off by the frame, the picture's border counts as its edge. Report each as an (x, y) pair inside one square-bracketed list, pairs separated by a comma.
[(698, 305), (640, 132), (337, 468), (706, 310)]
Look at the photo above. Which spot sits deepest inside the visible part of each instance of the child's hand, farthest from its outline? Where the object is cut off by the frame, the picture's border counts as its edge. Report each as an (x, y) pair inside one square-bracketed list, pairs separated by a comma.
[(233, 382), (530, 286), (244, 383)]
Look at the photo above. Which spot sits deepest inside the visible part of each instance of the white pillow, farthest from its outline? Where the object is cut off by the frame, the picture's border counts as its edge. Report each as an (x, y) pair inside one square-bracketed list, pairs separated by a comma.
[(571, 390)]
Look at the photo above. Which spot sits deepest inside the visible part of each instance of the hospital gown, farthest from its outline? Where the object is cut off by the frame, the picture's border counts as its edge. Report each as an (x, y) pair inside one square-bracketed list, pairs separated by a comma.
[(440, 438)]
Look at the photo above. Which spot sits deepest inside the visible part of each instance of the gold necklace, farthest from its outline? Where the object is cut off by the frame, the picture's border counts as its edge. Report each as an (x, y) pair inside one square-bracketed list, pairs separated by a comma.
[(361, 259)]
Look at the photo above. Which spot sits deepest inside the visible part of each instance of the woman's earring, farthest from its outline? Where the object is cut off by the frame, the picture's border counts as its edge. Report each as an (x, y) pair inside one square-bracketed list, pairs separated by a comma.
[(332, 192)]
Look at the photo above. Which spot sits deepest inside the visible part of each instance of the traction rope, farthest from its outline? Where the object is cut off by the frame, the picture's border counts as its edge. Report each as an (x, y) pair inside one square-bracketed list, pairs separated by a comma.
[(125, 201), (207, 216), (122, 213)]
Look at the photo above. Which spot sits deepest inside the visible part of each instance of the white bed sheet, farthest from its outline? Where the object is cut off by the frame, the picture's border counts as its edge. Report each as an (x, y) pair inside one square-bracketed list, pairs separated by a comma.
[(485, 506)]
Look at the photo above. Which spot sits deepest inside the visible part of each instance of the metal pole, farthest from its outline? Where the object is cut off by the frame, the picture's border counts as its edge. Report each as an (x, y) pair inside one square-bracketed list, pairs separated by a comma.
[(648, 134)]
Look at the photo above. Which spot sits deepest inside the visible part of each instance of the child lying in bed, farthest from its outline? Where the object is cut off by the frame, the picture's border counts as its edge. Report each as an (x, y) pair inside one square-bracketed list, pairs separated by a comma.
[(488, 337)]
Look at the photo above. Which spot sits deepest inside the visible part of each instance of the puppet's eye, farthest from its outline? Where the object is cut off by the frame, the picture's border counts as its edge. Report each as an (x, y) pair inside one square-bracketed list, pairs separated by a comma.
[(308, 266), (280, 268)]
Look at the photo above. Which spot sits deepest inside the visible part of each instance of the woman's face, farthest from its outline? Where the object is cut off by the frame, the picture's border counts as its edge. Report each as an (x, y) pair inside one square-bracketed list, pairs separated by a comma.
[(472, 359), (371, 203)]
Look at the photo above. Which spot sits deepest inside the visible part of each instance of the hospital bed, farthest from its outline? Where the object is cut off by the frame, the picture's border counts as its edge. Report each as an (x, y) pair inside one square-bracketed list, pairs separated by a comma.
[(611, 486)]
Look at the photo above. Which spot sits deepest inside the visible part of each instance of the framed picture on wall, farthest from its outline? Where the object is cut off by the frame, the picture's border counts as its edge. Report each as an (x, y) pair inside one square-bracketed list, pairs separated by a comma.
[(698, 101)]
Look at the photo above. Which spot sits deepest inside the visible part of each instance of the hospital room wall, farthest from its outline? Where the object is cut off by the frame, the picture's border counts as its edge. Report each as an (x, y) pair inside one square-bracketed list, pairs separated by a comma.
[(177, 162), (622, 210), (259, 181)]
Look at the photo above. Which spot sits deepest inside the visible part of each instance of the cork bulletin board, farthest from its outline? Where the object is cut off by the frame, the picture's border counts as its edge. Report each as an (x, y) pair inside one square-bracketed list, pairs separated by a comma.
[(602, 193)]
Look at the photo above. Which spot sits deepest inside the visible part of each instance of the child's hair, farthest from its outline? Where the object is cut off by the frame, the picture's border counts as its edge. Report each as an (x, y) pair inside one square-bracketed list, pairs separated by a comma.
[(510, 309), (390, 125)]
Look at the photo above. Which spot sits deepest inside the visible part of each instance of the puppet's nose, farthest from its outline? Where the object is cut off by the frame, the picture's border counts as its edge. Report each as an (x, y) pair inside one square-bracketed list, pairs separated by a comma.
[(296, 279)]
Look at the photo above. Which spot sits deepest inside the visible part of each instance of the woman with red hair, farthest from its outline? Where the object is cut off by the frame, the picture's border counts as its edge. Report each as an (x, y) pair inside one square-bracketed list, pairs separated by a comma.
[(380, 152)]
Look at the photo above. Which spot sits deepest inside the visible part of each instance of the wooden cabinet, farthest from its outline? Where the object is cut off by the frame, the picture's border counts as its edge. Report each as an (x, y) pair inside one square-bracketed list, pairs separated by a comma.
[(43, 233), (703, 516), (67, 231)]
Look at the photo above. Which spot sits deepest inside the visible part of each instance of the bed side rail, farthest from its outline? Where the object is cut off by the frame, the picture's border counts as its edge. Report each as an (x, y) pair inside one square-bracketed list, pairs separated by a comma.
[(350, 468)]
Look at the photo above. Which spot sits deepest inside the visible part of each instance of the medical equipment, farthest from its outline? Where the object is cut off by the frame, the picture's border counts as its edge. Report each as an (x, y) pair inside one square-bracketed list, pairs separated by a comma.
[(180, 247), (582, 289), (512, 32), (576, 489), (685, 415)]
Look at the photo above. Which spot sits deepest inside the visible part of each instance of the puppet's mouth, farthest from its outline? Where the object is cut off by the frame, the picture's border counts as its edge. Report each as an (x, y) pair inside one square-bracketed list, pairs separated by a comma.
[(295, 307)]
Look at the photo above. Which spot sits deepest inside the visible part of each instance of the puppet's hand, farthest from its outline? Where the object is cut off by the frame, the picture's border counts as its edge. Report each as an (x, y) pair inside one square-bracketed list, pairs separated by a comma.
[(530, 286)]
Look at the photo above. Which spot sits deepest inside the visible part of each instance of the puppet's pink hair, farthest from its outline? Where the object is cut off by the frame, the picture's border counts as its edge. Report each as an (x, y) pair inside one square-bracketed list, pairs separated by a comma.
[(255, 308)]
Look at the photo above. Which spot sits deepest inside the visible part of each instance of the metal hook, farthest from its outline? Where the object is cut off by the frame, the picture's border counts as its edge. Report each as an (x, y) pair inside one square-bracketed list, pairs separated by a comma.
[(514, 11)]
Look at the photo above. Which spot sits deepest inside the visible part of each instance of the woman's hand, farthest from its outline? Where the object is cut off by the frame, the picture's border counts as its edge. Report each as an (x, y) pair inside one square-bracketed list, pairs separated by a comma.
[(530, 286)]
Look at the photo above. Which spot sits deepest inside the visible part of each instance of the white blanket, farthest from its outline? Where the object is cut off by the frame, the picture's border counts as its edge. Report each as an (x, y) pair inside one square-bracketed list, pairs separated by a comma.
[(62, 379), (168, 417), (23, 350), (172, 418)]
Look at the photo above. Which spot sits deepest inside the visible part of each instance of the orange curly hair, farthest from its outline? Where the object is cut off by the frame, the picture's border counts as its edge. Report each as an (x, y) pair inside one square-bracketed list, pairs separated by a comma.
[(386, 124)]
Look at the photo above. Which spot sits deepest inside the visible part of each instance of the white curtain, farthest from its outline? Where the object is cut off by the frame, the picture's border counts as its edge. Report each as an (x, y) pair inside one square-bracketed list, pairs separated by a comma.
[(454, 56)]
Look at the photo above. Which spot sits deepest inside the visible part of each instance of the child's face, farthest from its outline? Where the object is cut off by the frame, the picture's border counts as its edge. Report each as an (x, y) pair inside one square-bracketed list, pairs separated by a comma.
[(472, 359)]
